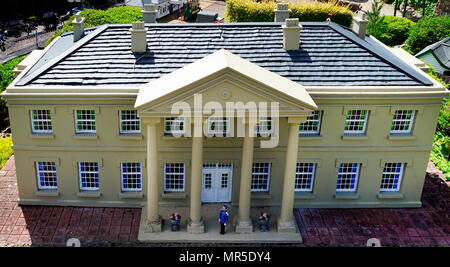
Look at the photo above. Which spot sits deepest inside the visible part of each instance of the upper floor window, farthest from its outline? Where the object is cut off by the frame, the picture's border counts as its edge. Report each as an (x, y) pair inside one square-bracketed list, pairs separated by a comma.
[(392, 176), (260, 177), (356, 121), (131, 173), (264, 128), (174, 126), (41, 121), (347, 179), (402, 121), (218, 126), (312, 124), (85, 121), (89, 175), (46, 174), (304, 176), (174, 177), (129, 122)]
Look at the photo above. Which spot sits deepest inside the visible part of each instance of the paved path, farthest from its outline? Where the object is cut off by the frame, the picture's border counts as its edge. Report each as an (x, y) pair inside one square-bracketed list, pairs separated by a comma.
[(39, 225)]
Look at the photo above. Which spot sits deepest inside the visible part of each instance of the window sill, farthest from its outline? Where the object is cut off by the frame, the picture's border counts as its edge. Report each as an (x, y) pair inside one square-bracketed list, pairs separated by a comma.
[(85, 136), (346, 195), (171, 137), (400, 137), (130, 136), (355, 137), (131, 195), (390, 195), (89, 194), (311, 136), (47, 193), (174, 195), (42, 136), (260, 195), (305, 195)]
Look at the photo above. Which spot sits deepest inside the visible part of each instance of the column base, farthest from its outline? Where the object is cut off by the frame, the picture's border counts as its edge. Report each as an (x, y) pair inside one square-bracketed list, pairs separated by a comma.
[(195, 227), (287, 227), (152, 226), (243, 227)]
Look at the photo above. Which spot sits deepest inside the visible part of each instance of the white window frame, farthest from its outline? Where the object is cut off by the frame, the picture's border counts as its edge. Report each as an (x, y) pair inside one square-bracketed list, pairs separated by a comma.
[(358, 170), (88, 172), (402, 169), (311, 119), (364, 121), (85, 120), (166, 189), (267, 186), (216, 133), (135, 121), (122, 174), (174, 132), (52, 172), (38, 120), (313, 174), (411, 122), (264, 132)]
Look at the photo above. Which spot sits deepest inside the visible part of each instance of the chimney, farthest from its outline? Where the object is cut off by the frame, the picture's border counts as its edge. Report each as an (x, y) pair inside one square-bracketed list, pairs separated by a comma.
[(149, 13), (78, 27), (291, 34), (281, 12), (359, 24), (138, 37)]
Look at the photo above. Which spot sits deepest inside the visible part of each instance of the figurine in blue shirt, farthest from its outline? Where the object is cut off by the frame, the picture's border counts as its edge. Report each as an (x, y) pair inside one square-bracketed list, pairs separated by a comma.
[(223, 219)]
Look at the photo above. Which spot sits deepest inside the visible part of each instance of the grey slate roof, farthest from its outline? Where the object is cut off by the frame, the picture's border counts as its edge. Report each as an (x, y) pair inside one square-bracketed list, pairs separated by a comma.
[(329, 55), (441, 50)]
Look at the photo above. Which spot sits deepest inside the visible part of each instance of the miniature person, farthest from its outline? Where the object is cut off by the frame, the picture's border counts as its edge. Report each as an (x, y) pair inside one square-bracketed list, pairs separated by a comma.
[(264, 222), (223, 219), (175, 220)]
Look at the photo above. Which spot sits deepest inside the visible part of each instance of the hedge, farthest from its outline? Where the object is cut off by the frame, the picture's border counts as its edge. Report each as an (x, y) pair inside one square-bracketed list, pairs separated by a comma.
[(94, 17), (390, 30), (6, 150), (427, 31), (252, 11)]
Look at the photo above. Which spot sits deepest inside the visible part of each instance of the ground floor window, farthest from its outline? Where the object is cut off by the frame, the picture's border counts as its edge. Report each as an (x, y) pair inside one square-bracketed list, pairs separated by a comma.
[(392, 176), (89, 176), (347, 179), (46, 173), (304, 176), (174, 177), (260, 177), (131, 173)]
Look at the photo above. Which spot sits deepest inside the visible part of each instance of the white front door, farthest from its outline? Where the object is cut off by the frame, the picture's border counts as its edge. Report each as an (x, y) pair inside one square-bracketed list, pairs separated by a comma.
[(217, 179)]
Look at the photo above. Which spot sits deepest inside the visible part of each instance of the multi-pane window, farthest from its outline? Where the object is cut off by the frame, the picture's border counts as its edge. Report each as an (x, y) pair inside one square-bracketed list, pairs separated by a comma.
[(41, 121), (129, 122), (46, 174), (356, 121), (174, 177), (174, 126), (347, 179), (312, 124), (392, 176), (304, 176), (85, 121), (218, 126), (131, 176), (402, 121), (260, 177), (264, 127), (89, 177)]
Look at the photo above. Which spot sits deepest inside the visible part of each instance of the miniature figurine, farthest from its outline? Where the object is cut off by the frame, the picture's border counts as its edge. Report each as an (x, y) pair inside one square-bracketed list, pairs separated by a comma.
[(175, 220), (264, 222), (223, 219)]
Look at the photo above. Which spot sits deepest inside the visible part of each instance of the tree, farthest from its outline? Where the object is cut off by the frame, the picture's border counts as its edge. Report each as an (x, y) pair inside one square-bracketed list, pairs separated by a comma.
[(375, 10)]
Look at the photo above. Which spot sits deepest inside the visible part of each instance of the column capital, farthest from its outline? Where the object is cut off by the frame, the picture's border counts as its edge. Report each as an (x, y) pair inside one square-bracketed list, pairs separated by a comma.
[(151, 120)]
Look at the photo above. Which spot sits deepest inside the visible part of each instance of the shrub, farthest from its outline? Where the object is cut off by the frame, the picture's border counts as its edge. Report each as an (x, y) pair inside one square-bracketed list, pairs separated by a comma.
[(6, 150), (427, 31), (252, 11), (390, 30), (94, 17)]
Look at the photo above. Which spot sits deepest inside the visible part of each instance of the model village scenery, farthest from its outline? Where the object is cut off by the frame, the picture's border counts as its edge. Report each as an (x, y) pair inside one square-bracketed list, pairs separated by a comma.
[(300, 122)]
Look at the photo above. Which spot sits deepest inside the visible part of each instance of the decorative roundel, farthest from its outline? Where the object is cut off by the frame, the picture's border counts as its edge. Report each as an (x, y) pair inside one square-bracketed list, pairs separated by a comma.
[(225, 93)]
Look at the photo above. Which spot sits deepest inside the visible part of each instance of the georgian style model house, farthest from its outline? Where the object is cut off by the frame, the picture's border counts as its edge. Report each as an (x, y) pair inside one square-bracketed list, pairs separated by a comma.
[(93, 123)]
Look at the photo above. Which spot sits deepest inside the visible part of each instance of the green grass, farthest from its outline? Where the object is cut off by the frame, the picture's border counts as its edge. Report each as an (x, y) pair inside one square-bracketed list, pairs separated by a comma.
[(6, 150)]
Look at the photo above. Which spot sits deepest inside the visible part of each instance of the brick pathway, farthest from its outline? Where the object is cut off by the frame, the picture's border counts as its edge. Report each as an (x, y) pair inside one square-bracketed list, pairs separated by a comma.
[(38, 225)]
